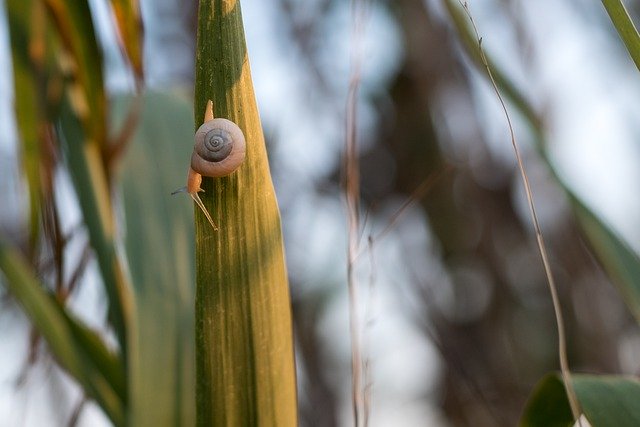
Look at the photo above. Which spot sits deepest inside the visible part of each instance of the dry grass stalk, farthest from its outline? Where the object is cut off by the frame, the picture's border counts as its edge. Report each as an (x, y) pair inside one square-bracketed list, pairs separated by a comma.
[(562, 345)]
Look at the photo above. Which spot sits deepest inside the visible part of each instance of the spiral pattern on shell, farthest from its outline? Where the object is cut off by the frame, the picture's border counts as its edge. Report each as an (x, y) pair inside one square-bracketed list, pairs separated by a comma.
[(219, 148)]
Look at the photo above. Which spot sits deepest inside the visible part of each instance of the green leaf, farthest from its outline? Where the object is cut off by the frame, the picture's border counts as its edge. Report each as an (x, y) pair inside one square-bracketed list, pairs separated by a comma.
[(606, 401), (244, 353), (85, 164), (619, 261), (83, 63), (78, 350), (159, 246), (548, 405), (127, 13), (20, 14), (93, 350), (625, 27)]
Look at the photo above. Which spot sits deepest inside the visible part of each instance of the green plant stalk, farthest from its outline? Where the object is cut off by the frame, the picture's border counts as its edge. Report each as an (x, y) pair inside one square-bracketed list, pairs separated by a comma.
[(245, 373)]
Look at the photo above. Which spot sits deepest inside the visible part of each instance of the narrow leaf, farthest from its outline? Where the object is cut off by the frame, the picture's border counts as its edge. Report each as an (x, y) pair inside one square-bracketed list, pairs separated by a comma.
[(625, 27), (83, 63), (618, 259), (87, 171), (94, 351), (91, 366), (127, 14), (20, 14), (244, 351)]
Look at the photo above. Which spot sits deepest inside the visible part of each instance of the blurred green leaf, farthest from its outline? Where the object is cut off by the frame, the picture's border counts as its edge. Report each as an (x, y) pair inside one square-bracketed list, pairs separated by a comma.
[(606, 401), (82, 62), (625, 27), (85, 164), (245, 369), (548, 405), (94, 351), (20, 14), (618, 259), (159, 246), (78, 350), (127, 14)]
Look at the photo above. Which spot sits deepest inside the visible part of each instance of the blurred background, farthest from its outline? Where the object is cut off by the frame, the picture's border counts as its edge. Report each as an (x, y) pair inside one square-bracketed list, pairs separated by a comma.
[(458, 323)]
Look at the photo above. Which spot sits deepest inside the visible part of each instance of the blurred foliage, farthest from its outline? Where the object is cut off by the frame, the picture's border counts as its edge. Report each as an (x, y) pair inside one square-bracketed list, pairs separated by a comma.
[(499, 336), (149, 378), (606, 401), (157, 230), (495, 335)]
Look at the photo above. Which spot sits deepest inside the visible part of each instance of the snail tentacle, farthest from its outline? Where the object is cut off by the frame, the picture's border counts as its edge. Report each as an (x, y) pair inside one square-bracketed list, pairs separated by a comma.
[(196, 198)]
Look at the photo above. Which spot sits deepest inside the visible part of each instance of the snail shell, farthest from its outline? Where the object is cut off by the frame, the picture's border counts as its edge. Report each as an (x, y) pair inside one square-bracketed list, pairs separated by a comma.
[(219, 148)]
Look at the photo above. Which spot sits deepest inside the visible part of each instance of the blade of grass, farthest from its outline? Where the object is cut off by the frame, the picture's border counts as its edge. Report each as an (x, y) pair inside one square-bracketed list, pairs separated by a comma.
[(83, 62), (78, 350), (625, 27), (20, 14), (93, 351), (129, 23), (244, 353), (86, 167)]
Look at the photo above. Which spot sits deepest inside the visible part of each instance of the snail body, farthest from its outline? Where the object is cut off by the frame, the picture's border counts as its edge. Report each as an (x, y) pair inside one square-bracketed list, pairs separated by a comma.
[(219, 150)]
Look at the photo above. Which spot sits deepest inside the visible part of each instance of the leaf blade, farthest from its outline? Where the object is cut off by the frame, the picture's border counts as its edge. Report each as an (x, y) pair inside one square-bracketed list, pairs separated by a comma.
[(26, 105), (57, 328), (161, 259), (129, 23), (625, 27), (245, 366), (85, 164), (83, 64), (606, 401)]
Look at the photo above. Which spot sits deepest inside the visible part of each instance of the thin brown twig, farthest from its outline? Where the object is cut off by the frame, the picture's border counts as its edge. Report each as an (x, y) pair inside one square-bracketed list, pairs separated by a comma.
[(368, 322), (77, 410), (352, 177), (352, 196), (562, 346), (81, 266)]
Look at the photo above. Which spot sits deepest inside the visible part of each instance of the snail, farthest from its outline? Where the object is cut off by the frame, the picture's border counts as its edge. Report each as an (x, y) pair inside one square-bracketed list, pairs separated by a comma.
[(219, 150)]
